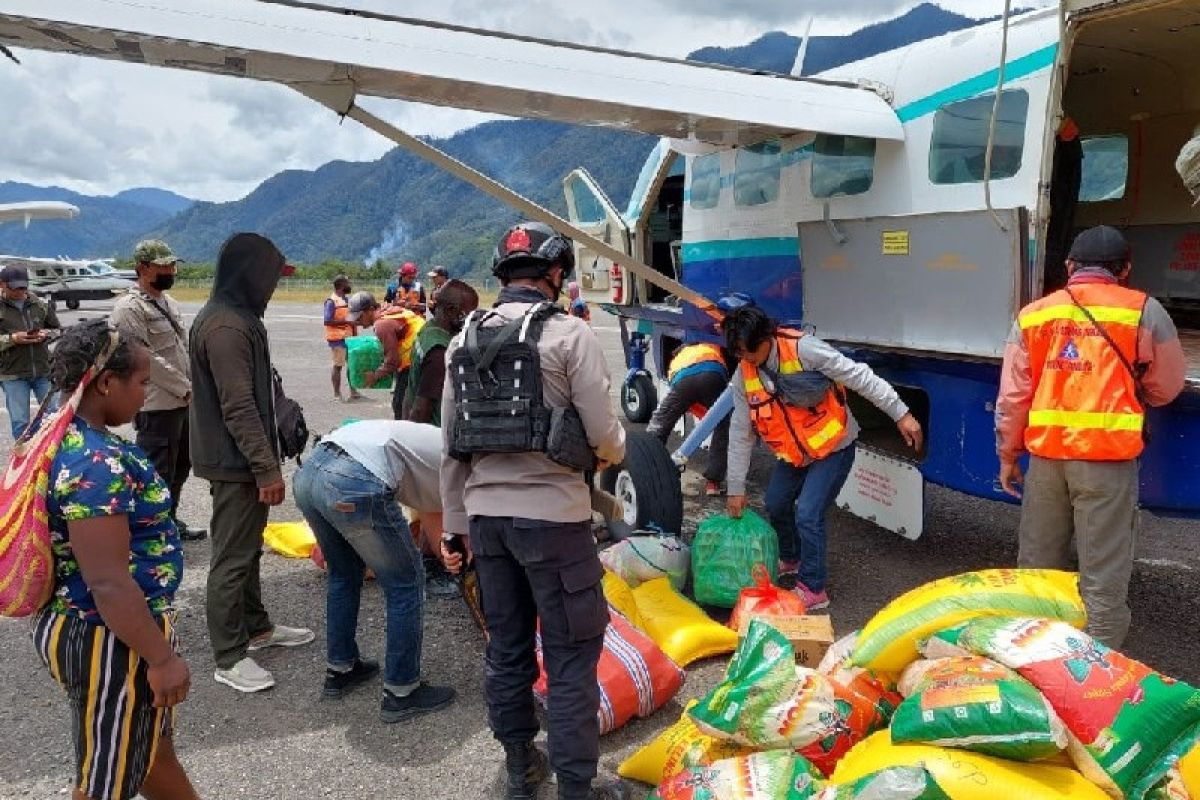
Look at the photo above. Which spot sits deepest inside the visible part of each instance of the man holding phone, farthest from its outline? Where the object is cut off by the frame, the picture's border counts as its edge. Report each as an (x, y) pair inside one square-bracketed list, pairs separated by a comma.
[(27, 325)]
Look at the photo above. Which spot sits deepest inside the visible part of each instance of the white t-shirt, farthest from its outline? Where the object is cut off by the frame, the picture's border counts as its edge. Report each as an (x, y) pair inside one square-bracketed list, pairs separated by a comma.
[(406, 456)]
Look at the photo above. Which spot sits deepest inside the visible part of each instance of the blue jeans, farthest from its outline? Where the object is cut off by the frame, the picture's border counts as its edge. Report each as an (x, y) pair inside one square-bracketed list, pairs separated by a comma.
[(16, 400), (797, 499), (358, 524)]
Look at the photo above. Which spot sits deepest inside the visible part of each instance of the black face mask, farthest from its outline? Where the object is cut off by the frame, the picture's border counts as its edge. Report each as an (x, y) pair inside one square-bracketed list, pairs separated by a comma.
[(163, 282)]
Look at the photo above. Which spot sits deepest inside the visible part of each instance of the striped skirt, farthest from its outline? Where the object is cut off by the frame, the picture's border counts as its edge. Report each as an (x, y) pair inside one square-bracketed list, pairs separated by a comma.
[(114, 722)]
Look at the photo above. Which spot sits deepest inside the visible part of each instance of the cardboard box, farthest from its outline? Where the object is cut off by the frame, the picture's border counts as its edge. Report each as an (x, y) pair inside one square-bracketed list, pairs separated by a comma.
[(810, 635)]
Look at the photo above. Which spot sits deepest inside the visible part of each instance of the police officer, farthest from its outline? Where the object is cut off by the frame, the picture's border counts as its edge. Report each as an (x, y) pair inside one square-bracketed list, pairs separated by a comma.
[(528, 516)]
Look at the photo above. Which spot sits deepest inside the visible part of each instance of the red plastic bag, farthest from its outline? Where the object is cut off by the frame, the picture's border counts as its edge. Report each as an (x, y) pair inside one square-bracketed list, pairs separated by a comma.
[(636, 678), (764, 598)]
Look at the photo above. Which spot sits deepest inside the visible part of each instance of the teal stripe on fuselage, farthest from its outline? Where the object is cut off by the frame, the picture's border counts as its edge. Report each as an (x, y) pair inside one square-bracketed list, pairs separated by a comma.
[(741, 248), (1013, 70)]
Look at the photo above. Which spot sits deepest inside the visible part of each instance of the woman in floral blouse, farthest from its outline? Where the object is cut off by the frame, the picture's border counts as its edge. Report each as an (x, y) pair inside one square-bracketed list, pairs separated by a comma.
[(106, 634)]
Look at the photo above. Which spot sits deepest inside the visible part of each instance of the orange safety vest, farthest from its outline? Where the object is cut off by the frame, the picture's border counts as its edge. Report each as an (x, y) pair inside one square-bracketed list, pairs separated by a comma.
[(337, 333), (410, 297), (1085, 403), (796, 435), (690, 356), (412, 326)]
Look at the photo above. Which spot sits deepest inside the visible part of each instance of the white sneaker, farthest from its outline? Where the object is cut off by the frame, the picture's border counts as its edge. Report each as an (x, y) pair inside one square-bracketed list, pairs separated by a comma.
[(245, 676), (282, 636)]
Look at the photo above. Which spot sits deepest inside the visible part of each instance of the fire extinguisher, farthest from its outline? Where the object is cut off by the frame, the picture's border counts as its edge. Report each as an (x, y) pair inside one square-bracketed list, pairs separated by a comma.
[(614, 274)]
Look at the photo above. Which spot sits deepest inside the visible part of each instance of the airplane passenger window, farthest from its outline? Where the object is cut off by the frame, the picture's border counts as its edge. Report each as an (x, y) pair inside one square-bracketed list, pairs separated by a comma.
[(1105, 168), (587, 205), (706, 181), (842, 165), (960, 133), (756, 174)]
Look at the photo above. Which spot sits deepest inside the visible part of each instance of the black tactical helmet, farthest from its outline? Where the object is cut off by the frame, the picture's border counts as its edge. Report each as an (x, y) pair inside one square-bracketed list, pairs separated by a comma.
[(529, 249)]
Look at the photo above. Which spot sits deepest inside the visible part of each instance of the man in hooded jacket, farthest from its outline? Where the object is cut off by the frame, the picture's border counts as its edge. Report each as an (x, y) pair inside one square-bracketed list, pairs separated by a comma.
[(235, 447)]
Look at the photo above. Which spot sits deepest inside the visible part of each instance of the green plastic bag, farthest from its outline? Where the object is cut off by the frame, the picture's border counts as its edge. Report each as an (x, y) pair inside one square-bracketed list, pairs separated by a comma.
[(892, 783), (724, 554), (973, 703), (365, 354)]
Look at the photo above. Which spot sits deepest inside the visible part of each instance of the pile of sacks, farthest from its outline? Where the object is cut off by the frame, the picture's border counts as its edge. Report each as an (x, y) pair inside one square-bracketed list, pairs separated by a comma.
[(653, 632), (976, 687)]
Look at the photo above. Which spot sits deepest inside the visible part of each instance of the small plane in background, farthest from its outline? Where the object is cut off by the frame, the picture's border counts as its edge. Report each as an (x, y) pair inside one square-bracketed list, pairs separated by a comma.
[(70, 281), (906, 205)]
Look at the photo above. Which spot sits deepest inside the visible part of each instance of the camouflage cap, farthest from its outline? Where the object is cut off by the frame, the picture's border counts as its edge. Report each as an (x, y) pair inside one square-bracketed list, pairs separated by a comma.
[(154, 251)]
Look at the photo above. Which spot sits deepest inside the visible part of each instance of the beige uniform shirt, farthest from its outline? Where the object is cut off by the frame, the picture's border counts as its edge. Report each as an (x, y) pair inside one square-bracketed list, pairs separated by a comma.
[(529, 484), (170, 380)]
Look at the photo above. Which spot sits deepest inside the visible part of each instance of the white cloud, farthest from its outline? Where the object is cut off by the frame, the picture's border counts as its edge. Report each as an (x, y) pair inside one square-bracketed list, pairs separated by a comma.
[(99, 127)]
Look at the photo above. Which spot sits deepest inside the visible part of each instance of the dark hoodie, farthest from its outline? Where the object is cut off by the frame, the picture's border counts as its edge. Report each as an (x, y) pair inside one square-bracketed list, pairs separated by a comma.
[(233, 433)]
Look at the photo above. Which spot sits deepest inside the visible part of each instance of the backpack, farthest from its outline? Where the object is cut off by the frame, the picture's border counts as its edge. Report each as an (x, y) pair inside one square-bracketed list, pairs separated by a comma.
[(289, 422), (26, 558)]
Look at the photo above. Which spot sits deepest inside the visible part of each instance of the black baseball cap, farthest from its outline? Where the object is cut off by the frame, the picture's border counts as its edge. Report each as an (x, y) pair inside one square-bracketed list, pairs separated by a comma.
[(15, 276), (445, 273), (1099, 245)]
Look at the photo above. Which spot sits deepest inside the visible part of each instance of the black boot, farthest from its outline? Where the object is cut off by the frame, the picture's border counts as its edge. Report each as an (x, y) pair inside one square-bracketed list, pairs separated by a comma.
[(525, 767), (609, 790)]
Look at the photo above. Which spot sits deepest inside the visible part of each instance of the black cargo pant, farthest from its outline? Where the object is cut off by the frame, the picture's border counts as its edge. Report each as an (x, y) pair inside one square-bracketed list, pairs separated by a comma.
[(163, 436), (399, 386), (529, 570), (233, 600), (703, 388)]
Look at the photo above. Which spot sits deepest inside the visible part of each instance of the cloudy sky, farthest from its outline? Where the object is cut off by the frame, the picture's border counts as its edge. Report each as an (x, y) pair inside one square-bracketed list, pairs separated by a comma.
[(99, 127)]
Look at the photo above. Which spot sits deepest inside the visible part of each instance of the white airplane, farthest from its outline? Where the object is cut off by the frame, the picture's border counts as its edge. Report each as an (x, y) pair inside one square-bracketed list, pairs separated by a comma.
[(55, 279), (905, 205)]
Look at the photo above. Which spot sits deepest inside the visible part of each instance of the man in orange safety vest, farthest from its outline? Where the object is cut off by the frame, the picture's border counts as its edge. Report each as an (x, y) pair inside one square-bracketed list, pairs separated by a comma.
[(1080, 367)]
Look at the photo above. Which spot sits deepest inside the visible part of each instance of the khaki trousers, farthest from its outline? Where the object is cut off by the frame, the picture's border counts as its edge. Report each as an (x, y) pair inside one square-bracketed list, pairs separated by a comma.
[(1096, 503)]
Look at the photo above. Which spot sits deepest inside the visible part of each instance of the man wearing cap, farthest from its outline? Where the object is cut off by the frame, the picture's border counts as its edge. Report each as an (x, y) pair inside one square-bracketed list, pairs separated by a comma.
[(337, 329), (1080, 367), (162, 424), (407, 291), (27, 325)]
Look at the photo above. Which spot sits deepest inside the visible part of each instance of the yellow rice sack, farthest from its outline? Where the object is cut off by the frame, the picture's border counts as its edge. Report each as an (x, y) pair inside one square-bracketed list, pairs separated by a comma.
[(679, 626), (620, 597), (889, 641), (678, 747), (964, 775), (1189, 767), (290, 539)]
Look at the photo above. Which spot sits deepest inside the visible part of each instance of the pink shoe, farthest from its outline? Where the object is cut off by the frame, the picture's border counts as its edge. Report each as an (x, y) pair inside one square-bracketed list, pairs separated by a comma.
[(787, 574), (712, 489), (813, 601)]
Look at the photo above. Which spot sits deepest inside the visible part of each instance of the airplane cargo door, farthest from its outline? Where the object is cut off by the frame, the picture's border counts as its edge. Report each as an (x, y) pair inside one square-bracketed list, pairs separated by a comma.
[(589, 209), (946, 283)]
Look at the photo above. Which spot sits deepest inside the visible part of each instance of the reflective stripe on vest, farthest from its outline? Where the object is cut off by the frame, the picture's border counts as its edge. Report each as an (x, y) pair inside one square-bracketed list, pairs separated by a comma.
[(336, 333), (408, 297), (413, 324), (1085, 403), (796, 435)]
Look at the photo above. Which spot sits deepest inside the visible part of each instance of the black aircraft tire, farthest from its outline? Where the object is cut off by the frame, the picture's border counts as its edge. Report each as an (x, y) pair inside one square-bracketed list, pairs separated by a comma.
[(648, 484), (639, 399), (73, 305)]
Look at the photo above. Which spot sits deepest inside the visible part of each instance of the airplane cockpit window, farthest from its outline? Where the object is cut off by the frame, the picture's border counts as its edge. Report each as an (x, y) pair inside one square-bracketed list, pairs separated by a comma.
[(756, 174), (706, 181), (1105, 168), (960, 133), (842, 165), (587, 205)]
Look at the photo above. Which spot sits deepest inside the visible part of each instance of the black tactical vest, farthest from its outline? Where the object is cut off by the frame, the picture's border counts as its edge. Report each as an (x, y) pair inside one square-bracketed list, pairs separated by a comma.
[(498, 402)]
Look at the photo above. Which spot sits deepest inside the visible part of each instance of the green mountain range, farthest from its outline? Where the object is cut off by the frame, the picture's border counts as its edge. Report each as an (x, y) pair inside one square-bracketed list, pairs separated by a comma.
[(400, 207)]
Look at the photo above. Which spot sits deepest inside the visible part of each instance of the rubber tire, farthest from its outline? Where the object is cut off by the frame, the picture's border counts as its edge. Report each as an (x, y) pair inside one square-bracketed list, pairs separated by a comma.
[(657, 494), (639, 398), (73, 305)]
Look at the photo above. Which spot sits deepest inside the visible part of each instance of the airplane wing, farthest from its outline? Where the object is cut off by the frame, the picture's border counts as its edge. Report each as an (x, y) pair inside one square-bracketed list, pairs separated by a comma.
[(310, 47), (40, 209)]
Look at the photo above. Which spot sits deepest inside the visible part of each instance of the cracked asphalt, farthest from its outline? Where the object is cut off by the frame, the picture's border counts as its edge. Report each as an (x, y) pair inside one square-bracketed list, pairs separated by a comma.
[(288, 743)]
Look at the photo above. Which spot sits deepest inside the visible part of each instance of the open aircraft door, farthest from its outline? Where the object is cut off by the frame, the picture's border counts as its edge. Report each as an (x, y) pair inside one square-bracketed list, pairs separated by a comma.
[(590, 210)]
